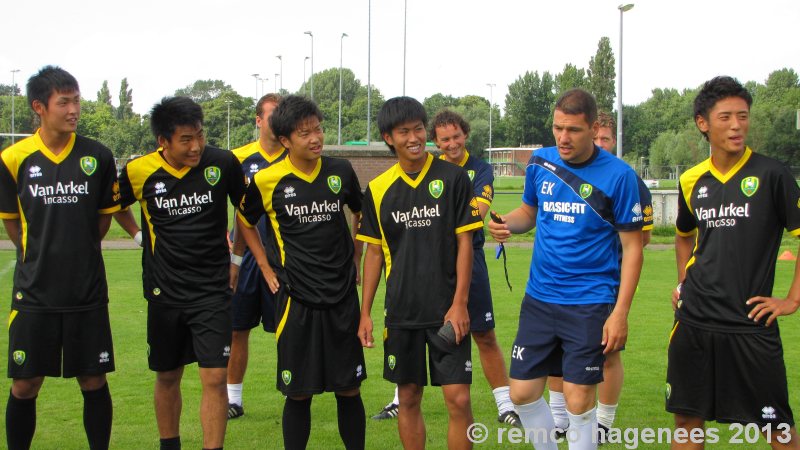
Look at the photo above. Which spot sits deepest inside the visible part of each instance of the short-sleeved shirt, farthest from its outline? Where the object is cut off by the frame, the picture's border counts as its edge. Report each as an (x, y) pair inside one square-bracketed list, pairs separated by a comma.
[(253, 158), (482, 178), (739, 218), (58, 200), (186, 258), (312, 237), (415, 221), (581, 208), (646, 201)]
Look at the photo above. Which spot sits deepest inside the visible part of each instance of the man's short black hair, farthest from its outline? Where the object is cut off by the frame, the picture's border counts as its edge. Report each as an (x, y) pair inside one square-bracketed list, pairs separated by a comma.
[(48, 80), (578, 101), (173, 112), (397, 111), (716, 89), (291, 112), (447, 117)]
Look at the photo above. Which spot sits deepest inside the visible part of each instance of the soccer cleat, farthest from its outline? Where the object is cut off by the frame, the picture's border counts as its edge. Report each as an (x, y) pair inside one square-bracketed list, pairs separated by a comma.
[(602, 434), (389, 412), (511, 418), (561, 434), (235, 411)]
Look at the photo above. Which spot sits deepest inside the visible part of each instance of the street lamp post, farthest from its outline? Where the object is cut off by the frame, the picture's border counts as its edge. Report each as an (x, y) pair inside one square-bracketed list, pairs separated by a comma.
[(312, 62), (262, 80), (255, 76), (369, 53), (13, 95), (341, 47), (622, 9), (491, 106), (228, 102), (281, 60), (276, 82), (305, 84)]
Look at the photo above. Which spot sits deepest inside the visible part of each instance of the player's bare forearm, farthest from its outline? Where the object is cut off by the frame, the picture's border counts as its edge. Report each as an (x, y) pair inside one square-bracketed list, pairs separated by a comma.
[(483, 208), (520, 220), (615, 330), (646, 235), (457, 315), (104, 223), (13, 228), (253, 240), (373, 262), (238, 242), (770, 308), (358, 246), (126, 220)]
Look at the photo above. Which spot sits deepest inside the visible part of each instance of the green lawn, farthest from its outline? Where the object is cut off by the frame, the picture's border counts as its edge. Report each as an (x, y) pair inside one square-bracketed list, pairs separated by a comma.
[(59, 406)]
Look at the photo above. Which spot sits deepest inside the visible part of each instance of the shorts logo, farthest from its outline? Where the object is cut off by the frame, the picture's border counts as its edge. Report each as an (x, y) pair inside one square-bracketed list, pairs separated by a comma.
[(768, 412), (471, 174), (668, 391), (392, 361), (226, 351), (749, 186), (18, 295), (334, 184), (161, 188), (592, 369), (468, 366), (104, 357), (212, 175), (586, 190), (19, 357), (359, 371), (156, 291), (35, 171), (488, 317), (436, 187), (286, 375), (88, 165)]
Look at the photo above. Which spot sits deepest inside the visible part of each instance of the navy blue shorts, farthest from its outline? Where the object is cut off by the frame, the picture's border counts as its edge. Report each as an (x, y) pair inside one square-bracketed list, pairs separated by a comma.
[(252, 302), (560, 340), (481, 311)]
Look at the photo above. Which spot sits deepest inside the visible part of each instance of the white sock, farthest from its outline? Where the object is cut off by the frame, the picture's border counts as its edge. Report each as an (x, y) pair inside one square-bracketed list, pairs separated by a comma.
[(235, 394), (606, 414), (502, 399), (558, 408), (396, 400), (537, 420), (582, 430)]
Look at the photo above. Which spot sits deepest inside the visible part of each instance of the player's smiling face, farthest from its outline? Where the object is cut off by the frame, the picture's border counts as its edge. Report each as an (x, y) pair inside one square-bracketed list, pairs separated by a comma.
[(408, 140), (185, 147), (305, 142), (451, 140), (574, 136), (61, 112), (727, 125)]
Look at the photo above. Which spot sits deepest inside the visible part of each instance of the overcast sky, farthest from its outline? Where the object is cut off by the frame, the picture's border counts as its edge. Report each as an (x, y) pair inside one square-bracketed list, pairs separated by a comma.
[(453, 47)]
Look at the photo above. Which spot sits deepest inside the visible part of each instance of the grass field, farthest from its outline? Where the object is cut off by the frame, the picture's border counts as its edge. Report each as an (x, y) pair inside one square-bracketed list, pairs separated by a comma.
[(59, 406)]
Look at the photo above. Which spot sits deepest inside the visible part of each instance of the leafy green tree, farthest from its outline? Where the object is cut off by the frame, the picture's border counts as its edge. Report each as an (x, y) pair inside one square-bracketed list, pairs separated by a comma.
[(601, 75), (95, 118), (569, 78), (6, 89), (125, 109), (529, 103), (204, 90), (25, 120), (438, 102), (104, 94)]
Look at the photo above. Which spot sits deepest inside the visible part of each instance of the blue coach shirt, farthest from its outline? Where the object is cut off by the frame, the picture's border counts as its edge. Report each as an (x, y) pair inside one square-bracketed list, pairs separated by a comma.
[(580, 210)]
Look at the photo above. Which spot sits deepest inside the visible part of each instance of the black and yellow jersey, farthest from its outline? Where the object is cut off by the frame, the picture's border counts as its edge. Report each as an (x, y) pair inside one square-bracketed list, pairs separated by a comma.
[(482, 179), (415, 221), (312, 237), (58, 200), (739, 218), (253, 158), (184, 223)]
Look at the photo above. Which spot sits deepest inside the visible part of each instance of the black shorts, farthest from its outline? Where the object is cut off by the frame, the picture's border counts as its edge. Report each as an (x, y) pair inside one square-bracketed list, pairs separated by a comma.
[(252, 302), (319, 349), (481, 311), (727, 377), (37, 340), (560, 340), (404, 361), (177, 336)]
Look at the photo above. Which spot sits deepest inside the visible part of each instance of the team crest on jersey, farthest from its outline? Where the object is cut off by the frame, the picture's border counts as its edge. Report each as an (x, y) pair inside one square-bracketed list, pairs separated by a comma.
[(392, 362), (586, 190), (212, 174), (471, 174), (749, 186), (19, 357), (335, 183), (18, 295), (286, 375), (88, 165), (436, 187)]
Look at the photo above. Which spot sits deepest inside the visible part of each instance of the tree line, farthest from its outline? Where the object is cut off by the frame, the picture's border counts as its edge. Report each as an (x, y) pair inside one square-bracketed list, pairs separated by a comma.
[(659, 131)]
